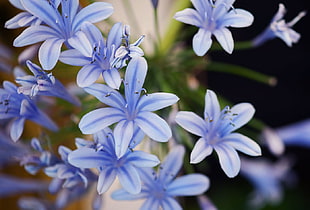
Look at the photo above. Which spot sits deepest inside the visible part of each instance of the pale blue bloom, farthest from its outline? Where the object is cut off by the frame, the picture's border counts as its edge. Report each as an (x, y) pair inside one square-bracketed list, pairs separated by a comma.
[(213, 18), (216, 130), (103, 158), (69, 175), (20, 107), (268, 178), (95, 55), (132, 111), (279, 28), (59, 27), (160, 189), (128, 51), (43, 83)]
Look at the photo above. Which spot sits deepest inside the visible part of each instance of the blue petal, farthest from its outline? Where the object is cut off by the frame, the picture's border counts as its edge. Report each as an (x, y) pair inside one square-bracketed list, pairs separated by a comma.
[(142, 159), (123, 133), (74, 57), (98, 119), (87, 75), (112, 78), (172, 164), (106, 178), (129, 179), (200, 6), (151, 203), (49, 53), (170, 203), (237, 18), (202, 42), (115, 35), (156, 101), (86, 158), (106, 95), (122, 194), (200, 151), (17, 128), (22, 19), (17, 4), (80, 42), (46, 12), (243, 113), (229, 159), (191, 122), (64, 172), (224, 37), (69, 8), (64, 152), (93, 13), (189, 16), (212, 107), (153, 126), (189, 185), (34, 34), (134, 78), (242, 143), (92, 32)]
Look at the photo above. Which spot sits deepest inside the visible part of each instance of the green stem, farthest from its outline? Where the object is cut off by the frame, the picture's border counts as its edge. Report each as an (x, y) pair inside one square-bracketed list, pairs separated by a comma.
[(157, 32)]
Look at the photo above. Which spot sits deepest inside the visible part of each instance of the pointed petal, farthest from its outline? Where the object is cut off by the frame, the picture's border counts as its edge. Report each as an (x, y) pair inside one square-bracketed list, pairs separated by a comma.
[(156, 101), (122, 194), (172, 164), (225, 39), (229, 159), (93, 13), (189, 16), (170, 203), (191, 122), (92, 32), (237, 18), (200, 151), (74, 57), (200, 6), (242, 143), (134, 78), (17, 128), (98, 119), (112, 78), (243, 113), (34, 34), (212, 106), (123, 132), (115, 35), (142, 159), (106, 178), (87, 75), (189, 185), (45, 12), (202, 42), (106, 95), (86, 158), (22, 19), (129, 179), (153, 126), (80, 42), (49, 53)]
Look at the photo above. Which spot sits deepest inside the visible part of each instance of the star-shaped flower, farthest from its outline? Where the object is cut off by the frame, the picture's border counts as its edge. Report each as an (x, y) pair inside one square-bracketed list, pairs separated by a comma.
[(159, 189), (102, 156), (213, 18), (279, 28), (216, 130), (135, 110), (59, 27)]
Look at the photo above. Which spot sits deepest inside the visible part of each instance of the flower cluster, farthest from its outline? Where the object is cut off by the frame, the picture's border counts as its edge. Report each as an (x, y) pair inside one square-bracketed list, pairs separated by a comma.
[(115, 107)]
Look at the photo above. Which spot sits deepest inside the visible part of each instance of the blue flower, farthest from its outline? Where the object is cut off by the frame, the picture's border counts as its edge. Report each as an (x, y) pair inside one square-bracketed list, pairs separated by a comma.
[(69, 175), (279, 28), (59, 27), (95, 55), (160, 188), (103, 158), (268, 178), (132, 111), (43, 83), (213, 18), (216, 133), (20, 107)]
